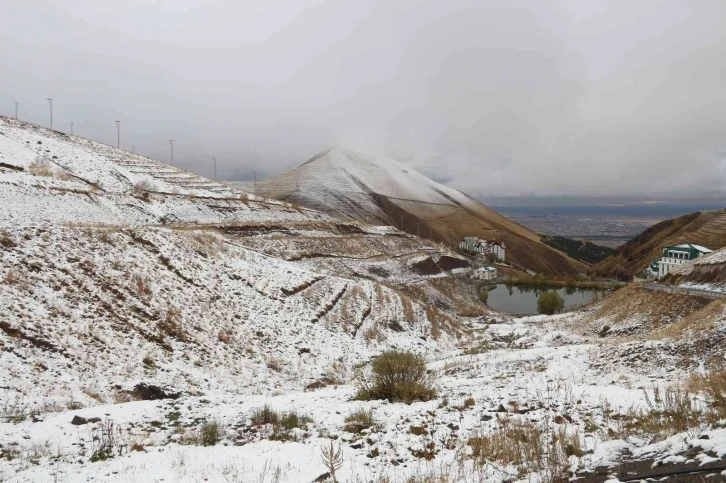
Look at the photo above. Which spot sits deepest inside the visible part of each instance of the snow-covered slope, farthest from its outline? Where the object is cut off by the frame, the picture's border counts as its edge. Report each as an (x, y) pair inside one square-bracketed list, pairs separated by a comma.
[(109, 258), (707, 272), (364, 186), (50, 177)]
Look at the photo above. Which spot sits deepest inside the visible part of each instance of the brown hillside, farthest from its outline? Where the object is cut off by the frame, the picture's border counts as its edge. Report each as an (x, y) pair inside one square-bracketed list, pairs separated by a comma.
[(702, 228)]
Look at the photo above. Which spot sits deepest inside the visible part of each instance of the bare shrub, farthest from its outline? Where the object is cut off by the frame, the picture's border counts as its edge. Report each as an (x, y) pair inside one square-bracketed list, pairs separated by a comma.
[(6, 240), (332, 459), (373, 334), (207, 245), (142, 285), (274, 364), (172, 324), (11, 277), (143, 189), (107, 441), (41, 166), (399, 376), (407, 307), (149, 361)]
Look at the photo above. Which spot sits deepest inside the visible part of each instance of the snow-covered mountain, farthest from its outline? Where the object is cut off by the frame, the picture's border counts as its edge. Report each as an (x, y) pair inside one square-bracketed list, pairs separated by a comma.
[(363, 186)]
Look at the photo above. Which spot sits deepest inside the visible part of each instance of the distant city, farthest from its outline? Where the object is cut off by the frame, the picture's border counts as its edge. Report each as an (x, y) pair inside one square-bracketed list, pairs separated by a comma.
[(605, 221)]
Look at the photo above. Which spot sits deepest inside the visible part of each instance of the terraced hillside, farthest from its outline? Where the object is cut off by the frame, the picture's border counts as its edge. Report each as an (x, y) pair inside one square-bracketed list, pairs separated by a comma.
[(362, 186), (706, 228), (116, 264)]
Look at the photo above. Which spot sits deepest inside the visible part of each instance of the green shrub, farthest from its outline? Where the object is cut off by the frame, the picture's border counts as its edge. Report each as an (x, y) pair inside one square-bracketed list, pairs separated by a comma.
[(399, 376), (293, 419), (209, 433), (265, 415), (550, 303)]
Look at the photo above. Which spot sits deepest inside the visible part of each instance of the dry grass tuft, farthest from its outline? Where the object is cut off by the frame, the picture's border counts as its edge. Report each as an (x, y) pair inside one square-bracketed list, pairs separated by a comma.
[(713, 386), (41, 166), (523, 445), (359, 420), (6, 240)]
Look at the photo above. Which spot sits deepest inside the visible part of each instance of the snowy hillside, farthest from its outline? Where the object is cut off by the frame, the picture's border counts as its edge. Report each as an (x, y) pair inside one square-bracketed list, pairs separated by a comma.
[(707, 272), (363, 186)]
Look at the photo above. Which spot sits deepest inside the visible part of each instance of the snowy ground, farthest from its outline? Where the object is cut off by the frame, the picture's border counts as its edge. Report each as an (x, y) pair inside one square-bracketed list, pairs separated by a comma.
[(529, 373)]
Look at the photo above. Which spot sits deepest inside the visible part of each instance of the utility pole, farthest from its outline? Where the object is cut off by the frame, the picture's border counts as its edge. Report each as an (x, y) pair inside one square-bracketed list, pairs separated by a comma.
[(254, 173), (50, 102), (171, 151), (71, 128), (16, 110), (133, 149), (215, 167), (118, 134)]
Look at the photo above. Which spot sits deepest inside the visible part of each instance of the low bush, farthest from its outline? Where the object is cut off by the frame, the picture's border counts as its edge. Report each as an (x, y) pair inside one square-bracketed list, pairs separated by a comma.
[(359, 420), (399, 376), (265, 415), (6, 240), (293, 419), (209, 433), (550, 303)]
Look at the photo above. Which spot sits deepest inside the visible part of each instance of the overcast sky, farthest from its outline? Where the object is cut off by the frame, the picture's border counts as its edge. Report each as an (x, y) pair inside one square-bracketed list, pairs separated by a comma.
[(500, 97)]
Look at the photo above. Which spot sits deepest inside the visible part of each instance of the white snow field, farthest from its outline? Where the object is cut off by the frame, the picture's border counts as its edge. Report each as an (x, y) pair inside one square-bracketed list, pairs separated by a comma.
[(157, 326)]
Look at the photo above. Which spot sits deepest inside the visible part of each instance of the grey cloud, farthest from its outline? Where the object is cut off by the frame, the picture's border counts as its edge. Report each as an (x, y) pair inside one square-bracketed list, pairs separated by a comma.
[(495, 97)]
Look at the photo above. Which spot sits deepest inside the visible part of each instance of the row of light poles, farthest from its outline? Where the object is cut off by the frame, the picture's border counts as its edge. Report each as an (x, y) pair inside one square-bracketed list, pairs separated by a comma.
[(133, 147)]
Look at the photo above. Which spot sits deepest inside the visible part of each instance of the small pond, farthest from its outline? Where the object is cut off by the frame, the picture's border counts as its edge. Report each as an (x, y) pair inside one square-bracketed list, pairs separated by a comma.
[(522, 299)]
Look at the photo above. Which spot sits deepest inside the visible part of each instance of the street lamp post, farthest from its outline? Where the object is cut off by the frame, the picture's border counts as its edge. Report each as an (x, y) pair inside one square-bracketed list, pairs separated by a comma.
[(50, 103), (118, 134)]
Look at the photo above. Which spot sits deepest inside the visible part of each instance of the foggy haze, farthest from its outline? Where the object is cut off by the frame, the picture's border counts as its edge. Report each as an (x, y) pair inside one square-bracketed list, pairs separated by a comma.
[(495, 98)]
